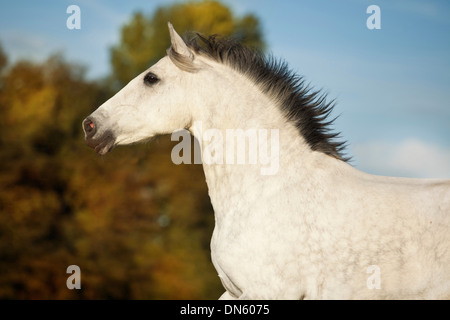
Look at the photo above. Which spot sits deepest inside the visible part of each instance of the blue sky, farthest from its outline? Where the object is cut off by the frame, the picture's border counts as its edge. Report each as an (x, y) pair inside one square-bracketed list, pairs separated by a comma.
[(392, 85)]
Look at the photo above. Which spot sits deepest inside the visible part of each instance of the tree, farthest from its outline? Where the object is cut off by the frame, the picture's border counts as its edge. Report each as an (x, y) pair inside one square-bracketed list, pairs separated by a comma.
[(3, 60), (3, 64), (41, 107), (47, 101), (144, 40)]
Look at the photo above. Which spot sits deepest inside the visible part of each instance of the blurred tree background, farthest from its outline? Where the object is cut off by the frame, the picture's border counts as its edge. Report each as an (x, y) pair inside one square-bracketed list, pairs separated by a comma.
[(137, 225)]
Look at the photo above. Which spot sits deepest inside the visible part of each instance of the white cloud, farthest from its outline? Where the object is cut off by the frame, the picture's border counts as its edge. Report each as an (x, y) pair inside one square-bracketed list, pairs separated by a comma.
[(409, 158)]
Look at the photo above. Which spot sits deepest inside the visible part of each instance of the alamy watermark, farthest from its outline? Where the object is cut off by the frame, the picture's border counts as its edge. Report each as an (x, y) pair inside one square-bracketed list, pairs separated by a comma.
[(229, 147), (374, 20), (74, 20), (74, 280), (374, 280)]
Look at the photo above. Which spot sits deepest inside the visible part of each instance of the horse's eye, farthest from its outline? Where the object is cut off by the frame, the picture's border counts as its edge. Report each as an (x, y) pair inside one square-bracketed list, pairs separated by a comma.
[(150, 79)]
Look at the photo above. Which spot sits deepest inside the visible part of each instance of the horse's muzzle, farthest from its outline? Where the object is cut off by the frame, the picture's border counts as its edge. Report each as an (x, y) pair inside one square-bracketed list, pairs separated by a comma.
[(101, 143)]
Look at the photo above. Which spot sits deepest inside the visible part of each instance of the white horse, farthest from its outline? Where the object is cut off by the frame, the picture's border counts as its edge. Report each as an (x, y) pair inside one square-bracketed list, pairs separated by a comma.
[(317, 228)]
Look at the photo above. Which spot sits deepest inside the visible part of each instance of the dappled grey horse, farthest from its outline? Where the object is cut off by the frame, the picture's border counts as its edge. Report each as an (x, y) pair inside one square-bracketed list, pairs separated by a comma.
[(313, 228)]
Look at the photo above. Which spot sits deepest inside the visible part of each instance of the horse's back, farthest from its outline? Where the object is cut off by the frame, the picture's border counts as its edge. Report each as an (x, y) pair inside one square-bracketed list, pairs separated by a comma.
[(427, 198), (415, 215), (400, 225)]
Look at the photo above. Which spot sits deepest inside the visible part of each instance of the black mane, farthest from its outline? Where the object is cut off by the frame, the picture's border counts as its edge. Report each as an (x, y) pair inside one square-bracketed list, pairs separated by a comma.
[(307, 109)]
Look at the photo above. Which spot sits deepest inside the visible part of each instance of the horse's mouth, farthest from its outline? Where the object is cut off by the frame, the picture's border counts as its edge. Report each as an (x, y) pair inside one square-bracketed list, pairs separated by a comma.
[(103, 144)]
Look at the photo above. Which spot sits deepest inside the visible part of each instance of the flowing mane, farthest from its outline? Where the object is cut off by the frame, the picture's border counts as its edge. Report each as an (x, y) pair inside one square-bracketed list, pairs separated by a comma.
[(307, 109)]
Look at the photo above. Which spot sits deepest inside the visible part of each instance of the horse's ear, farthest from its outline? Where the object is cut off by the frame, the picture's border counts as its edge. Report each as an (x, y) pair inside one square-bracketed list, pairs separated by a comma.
[(178, 44)]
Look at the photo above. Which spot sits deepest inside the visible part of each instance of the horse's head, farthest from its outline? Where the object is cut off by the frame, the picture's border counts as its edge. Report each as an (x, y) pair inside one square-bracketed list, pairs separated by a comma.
[(155, 102)]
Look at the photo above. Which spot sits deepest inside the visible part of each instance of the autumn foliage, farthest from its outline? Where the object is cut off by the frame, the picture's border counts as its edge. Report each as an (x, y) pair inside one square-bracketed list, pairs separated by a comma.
[(137, 225)]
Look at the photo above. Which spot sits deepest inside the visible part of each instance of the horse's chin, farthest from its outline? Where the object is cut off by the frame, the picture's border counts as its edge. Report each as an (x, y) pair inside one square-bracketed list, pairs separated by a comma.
[(102, 150)]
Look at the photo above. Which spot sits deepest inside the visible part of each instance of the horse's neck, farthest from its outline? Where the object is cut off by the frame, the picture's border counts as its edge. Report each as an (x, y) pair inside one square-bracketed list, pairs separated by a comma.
[(237, 187)]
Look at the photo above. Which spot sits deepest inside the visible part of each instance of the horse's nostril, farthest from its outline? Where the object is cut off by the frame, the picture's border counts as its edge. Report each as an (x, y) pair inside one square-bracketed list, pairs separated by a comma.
[(89, 127)]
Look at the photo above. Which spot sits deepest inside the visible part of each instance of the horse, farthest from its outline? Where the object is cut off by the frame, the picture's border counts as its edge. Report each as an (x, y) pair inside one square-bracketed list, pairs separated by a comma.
[(314, 228)]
